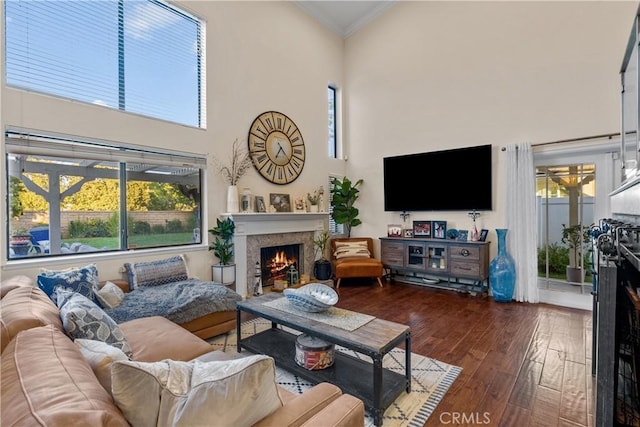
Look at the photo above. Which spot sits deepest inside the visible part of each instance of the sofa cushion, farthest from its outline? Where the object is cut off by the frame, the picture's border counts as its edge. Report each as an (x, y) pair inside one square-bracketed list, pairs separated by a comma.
[(157, 338), (46, 381), (153, 273), (169, 393), (83, 280), (100, 356), (110, 295), (24, 308), (81, 318), (14, 282)]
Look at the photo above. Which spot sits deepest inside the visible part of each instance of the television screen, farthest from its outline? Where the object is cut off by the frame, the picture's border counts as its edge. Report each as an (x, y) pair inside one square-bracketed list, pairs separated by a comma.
[(448, 180)]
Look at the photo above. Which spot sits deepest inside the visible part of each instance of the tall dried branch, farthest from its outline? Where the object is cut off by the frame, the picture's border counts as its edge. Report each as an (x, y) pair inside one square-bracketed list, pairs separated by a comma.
[(238, 166)]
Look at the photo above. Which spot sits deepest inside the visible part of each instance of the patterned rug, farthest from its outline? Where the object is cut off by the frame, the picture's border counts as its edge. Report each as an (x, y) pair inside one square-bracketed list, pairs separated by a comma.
[(334, 316), (430, 379)]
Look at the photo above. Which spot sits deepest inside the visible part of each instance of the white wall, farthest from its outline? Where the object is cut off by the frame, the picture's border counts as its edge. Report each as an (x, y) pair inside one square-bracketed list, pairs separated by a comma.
[(436, 75), (261, 56)]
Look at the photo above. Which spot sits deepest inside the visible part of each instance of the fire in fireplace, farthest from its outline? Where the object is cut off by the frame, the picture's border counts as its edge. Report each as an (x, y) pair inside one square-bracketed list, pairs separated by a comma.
[(275, 261)]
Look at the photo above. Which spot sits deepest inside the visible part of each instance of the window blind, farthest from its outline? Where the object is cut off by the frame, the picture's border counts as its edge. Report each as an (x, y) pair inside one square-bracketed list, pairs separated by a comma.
[(70, 147), (139, 56)]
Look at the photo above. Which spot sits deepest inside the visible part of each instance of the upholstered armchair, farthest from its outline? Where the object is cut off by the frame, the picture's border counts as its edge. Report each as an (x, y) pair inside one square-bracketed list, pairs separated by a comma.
[(353, 257)]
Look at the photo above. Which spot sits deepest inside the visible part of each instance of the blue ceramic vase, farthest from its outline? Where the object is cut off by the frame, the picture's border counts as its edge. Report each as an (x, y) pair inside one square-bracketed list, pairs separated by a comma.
[(502, 271)]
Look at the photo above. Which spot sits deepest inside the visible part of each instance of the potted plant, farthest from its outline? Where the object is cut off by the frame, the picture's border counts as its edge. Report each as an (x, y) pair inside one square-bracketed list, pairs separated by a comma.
[(322, 266), (314, 200), (576, 237), (222, 247), (343, 196), (20, 241)]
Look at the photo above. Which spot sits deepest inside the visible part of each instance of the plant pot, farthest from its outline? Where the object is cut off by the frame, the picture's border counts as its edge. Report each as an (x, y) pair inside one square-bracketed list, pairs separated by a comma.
[(322, 270), (313, 208), (20, 248), (575, 275), (225, 274)]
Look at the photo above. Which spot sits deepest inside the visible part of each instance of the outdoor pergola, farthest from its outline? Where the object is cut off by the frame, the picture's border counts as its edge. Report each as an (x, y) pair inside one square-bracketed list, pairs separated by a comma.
[(54, 168)]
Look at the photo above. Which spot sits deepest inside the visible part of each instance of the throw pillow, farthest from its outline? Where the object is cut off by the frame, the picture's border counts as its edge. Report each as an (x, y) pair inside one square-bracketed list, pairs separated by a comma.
[(160, 272), (83, 280), (168, 393), (110, 295), (357, 249), (100, 356), (82, 318)]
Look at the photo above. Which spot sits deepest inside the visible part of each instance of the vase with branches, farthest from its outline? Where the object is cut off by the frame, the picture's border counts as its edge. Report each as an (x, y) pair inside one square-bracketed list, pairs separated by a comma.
[(238, 165)]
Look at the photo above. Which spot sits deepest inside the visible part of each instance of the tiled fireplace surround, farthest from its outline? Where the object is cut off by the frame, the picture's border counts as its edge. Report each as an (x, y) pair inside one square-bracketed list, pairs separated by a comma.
[(257, 230)]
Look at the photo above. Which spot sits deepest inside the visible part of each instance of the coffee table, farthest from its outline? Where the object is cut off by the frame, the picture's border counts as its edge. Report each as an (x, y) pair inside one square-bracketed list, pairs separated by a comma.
[(376, 386)]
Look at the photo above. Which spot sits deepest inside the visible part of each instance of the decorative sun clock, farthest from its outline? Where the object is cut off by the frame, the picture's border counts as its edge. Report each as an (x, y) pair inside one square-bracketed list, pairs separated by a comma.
[(276, 147)]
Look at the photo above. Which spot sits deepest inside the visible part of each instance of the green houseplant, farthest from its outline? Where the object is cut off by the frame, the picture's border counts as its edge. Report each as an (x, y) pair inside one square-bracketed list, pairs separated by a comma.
[(344, 194), (576, 237), (321, 266), (222, 247)]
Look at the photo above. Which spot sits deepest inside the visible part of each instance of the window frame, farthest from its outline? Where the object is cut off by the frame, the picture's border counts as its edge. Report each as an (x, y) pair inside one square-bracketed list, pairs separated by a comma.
[(118, 86), (332, 96), (133, 165)]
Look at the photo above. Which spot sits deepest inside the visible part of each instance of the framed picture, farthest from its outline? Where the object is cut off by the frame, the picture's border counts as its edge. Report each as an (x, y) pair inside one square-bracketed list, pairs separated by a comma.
[(298, 205), (260, 206), (439, 229), (463, 235), (483, 235), (280, 202), (421, 228), (394, 230), (408, 232)]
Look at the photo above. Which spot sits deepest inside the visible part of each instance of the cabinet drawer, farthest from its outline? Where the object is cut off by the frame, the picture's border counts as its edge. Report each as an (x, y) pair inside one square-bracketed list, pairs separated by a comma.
[(388, 259), (465, 269), (393, 247), (465, 252)]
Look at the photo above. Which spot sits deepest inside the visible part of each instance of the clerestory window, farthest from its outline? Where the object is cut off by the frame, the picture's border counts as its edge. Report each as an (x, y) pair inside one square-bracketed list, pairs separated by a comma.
[(71, 196), (139, 56)]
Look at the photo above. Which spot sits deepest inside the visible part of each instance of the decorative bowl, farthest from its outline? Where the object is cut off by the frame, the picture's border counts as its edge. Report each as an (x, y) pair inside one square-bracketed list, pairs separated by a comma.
[(314, 297)]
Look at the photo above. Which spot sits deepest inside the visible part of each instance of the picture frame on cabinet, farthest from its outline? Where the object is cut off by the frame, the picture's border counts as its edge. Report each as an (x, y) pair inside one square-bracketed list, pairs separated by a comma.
[(483, 235), (408, 232), (439, 229), (422, 229), (394, 230), (463, 235)]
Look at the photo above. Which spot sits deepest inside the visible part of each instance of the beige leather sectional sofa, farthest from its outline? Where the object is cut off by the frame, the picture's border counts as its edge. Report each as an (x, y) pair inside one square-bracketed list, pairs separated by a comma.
[(46, 380)]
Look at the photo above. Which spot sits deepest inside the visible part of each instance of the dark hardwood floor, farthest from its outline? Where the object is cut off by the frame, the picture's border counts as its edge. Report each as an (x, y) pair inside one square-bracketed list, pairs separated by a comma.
[(523, 364)]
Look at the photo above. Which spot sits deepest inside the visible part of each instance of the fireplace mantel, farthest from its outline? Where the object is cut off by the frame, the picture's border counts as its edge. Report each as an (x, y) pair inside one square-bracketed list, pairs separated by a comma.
[(251, 224)]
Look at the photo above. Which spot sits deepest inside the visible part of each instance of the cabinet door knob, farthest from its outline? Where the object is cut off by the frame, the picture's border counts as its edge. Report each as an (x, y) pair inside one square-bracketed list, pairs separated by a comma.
[(465, 252)]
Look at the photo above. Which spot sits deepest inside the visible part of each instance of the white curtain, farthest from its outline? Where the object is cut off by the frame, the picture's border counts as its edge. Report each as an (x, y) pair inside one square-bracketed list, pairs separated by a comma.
[(521, 220)]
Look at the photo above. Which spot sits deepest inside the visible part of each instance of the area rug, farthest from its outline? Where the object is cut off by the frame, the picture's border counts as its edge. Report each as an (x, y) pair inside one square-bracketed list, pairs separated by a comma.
[(430, 378), (334, 316)]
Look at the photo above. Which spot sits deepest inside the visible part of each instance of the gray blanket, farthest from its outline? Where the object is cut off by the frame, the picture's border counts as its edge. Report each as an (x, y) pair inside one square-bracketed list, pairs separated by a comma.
[(179, 302)]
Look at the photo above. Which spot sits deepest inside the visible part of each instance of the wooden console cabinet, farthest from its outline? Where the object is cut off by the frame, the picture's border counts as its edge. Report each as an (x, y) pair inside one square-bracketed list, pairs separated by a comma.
[(446, 264)]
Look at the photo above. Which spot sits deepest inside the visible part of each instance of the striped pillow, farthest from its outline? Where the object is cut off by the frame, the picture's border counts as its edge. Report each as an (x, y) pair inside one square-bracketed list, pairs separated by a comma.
[(154, 273)]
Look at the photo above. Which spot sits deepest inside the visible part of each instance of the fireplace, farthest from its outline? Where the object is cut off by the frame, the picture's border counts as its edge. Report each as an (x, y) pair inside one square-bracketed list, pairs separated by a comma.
[(258, 230), (275, 261)]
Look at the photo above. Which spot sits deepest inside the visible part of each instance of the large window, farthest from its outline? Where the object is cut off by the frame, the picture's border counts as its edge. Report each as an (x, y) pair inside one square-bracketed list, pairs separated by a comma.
[(69, 196), (139, 56), (333, 143)]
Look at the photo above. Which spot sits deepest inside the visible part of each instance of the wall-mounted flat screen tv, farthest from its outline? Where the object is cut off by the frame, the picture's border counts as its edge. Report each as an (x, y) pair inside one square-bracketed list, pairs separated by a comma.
[(447, 180)]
